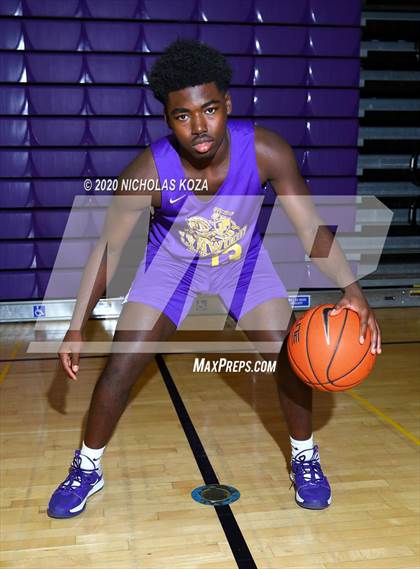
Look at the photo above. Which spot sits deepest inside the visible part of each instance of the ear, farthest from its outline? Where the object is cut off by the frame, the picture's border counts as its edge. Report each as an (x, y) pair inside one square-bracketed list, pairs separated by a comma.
[(228, 103), (166, 117)]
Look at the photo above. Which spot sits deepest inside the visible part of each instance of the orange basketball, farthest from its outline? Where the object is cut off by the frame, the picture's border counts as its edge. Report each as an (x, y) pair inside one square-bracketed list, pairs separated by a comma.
[(325, 352)]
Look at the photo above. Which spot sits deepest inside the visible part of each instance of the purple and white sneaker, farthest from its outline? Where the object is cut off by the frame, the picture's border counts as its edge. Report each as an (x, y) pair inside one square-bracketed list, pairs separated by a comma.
[(71, 496), (312, 489)]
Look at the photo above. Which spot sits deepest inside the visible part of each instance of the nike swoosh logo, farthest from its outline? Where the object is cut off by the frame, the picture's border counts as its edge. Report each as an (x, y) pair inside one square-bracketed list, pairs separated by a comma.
[(176, 199), (325, 314)]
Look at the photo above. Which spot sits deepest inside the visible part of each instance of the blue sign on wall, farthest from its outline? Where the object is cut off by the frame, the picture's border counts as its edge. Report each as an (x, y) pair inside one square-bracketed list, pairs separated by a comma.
[(300, 300), (39, 310)]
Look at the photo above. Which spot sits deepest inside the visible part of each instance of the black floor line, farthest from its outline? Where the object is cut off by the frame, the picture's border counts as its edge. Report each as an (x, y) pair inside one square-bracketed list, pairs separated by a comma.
[(232, 531), (51, 358)]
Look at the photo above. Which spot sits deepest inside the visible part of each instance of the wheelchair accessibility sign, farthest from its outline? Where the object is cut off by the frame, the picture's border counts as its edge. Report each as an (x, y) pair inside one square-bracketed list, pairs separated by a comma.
[(39, 311)]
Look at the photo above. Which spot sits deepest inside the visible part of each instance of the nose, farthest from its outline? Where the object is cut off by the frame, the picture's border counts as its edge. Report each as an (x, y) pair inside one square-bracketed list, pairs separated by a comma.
[(198, 124)]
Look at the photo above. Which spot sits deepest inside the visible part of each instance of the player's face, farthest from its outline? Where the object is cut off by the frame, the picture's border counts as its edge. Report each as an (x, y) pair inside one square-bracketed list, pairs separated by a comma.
[(197, 116)]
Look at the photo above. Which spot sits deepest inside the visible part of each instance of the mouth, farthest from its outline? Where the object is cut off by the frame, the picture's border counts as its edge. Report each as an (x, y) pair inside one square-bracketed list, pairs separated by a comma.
[(203, 146)]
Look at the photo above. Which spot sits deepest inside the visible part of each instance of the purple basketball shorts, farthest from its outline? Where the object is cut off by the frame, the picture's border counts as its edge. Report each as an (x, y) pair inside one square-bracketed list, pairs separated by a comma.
[(171, 284)]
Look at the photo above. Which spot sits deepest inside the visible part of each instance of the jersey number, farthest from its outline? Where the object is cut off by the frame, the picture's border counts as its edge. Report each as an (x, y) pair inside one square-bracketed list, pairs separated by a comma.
[(234, 254)]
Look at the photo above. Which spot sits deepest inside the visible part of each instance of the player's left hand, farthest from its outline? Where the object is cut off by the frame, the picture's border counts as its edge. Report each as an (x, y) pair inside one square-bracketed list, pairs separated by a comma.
[(356, 300)]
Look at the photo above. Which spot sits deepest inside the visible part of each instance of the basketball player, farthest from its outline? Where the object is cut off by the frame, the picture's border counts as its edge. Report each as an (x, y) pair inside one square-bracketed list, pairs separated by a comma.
[(200, 245)]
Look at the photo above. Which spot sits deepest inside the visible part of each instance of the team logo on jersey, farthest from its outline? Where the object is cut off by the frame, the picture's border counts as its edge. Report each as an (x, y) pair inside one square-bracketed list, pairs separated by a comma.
[(207, 237)]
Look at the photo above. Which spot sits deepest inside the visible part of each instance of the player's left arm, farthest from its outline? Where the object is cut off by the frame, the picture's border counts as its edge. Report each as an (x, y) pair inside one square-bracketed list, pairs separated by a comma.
[(277, 164)]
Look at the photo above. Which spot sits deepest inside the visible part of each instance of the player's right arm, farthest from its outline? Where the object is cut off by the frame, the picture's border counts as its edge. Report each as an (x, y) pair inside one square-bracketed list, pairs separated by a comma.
[(278, 165), (122, 215)]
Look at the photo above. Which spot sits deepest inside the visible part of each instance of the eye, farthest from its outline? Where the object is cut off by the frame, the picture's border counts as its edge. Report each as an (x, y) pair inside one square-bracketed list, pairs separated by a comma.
[(182, 118), (211, 110)]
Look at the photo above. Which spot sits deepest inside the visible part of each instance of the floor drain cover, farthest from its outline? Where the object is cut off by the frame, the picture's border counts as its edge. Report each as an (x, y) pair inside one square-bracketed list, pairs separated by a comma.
[(215, 494)]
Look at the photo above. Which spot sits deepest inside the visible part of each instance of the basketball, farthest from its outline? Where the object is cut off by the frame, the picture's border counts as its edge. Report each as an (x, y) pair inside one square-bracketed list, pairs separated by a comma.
[(325, 352)]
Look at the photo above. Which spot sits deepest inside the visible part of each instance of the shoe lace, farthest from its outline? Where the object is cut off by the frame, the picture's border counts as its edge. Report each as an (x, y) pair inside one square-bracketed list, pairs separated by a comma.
[(310, 470), (76, 473)]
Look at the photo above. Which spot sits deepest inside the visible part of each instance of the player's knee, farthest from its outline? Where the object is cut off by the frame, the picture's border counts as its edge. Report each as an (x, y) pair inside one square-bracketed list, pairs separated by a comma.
[(122, 371)]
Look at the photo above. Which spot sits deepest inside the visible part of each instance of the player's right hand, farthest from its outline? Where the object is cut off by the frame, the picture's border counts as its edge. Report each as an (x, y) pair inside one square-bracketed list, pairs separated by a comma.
[(69, 352)]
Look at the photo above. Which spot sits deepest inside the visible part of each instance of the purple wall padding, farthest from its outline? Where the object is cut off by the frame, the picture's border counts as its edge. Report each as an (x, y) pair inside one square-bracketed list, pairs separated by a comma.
[(73, 102)]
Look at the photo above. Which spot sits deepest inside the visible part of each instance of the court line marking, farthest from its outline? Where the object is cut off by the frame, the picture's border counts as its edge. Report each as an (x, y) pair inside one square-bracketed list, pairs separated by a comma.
[(370, 407), (53, 358), (235, 539), (12, 357)]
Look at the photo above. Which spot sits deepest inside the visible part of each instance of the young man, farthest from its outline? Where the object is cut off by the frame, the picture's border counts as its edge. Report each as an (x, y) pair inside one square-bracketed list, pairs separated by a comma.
[(199, 245)]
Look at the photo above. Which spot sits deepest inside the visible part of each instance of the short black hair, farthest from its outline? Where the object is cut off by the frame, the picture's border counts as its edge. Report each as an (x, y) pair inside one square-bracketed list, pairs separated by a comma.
[(186, 63)]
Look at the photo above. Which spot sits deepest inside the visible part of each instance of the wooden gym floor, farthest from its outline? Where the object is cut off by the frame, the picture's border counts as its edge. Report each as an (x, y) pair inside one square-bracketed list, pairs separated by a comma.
[(145, 517)]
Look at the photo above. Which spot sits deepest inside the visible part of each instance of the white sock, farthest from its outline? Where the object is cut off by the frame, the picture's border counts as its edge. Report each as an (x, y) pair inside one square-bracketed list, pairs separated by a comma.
[(94, 454), (304, 447)]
